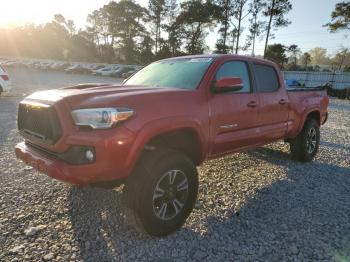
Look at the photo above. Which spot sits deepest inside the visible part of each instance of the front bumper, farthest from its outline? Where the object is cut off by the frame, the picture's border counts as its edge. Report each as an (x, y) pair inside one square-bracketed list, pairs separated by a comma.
[(110, 163), (52, 167)]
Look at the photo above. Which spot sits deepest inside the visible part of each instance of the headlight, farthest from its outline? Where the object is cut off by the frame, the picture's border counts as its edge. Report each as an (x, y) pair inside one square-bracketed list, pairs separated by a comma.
[(100, 118)]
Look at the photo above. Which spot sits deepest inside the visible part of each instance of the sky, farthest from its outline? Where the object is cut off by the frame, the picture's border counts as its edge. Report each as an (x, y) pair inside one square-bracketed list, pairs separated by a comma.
[(307, 17)]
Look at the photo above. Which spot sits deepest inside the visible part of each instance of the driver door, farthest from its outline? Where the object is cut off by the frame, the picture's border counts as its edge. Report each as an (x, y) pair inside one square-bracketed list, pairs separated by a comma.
[(234, 121)]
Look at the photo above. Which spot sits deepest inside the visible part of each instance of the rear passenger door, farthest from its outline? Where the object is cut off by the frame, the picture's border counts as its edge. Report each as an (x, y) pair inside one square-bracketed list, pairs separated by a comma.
[(273, 102)]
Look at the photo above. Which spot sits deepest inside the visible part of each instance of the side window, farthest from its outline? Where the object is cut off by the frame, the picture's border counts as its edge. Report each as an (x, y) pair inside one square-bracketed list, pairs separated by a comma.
[(266, 78), (235, 69)]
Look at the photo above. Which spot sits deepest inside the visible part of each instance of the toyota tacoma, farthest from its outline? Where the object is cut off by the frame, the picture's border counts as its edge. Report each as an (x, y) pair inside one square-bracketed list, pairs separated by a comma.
[(151, 132)]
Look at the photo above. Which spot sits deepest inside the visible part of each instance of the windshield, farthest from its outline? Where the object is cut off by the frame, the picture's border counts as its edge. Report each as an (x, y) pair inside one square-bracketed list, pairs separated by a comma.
[(185, 73)]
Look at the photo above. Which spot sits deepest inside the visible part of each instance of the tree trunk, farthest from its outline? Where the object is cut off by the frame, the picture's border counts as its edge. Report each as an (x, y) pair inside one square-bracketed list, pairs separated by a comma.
[(239, 26), (254, 34), (342, 60), (269, 26), (195, 39), (156, 38), (233, 41), (226, 25)]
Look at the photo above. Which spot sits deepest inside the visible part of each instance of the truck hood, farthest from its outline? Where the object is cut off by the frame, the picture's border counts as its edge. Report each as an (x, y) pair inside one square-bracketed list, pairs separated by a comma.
[(103, 95)]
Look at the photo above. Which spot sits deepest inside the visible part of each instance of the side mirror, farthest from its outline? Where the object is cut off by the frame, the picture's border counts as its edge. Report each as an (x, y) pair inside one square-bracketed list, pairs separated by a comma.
[(227, 84)]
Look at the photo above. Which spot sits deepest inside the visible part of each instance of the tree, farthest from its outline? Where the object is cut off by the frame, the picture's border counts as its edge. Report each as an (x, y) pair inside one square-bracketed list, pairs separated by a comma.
[(172, 27), (157, 10), (342, 58), (224, 17), (277, 53), (126, 21), (256, 26), (340, 17), (146, 54), (239, 16), (55, 37), (70, 26), (275, 10), (293, 51), (306, 59), (81, 47), (193, 20), (318, 56), (99, 26)]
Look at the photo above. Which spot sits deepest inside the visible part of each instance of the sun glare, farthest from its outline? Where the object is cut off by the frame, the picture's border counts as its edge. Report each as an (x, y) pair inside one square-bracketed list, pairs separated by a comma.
[(20, 12)]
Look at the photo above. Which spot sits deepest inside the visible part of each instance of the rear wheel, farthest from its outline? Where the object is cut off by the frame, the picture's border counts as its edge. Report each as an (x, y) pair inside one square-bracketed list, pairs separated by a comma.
[(305, 146), (161, 193)]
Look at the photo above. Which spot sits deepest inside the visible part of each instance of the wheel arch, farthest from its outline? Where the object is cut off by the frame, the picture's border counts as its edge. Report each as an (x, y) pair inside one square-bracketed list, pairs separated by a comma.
[(184, 139), (184, 136), (315, 114)]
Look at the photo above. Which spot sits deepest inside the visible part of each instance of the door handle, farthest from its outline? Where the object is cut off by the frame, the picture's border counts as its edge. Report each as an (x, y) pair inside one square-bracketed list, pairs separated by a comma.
[(252, 104), (282, 101)]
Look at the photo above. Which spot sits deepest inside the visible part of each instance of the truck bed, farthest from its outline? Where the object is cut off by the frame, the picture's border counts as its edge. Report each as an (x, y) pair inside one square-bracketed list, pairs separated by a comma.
[(304, 89)]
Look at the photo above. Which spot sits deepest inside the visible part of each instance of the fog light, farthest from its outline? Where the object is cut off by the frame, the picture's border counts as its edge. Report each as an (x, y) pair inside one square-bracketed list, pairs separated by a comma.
[(89, 155)]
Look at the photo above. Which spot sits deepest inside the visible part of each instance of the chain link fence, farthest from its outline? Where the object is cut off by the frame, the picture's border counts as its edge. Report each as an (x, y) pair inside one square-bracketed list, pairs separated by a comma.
[(313, 79)]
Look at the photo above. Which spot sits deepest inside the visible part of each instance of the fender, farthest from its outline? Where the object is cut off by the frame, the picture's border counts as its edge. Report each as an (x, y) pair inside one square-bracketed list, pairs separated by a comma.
[(305, 115), (165, 125)]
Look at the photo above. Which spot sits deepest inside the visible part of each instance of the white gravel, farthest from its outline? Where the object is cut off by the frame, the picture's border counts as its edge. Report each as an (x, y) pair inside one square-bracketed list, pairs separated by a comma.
[(255, 206)]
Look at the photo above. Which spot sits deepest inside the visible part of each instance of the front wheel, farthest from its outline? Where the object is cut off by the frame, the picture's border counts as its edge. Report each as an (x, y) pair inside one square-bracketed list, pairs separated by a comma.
[(305, 146), (162, 192)]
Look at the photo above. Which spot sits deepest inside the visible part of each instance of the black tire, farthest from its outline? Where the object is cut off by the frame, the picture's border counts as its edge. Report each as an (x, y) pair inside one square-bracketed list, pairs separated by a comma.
[(304, 147), (143, 200), (348, 93)]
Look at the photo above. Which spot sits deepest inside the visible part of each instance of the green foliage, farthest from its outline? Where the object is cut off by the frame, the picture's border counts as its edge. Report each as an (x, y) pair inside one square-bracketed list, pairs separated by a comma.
[(256, 26), (224, 15), (172, 28), (124, 31), (293, 51), (306, 59), (193, 20), (340, 17), (275, 10), (146, 54), (52, 40), (277, 54), (157, 10)]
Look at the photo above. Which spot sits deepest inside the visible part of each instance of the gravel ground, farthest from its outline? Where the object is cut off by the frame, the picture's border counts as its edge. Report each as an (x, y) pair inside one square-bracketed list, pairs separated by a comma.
[(254, 206)]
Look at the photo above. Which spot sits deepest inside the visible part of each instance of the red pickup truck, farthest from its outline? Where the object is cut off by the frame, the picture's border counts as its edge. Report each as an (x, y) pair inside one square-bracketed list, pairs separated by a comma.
[(151, 132)]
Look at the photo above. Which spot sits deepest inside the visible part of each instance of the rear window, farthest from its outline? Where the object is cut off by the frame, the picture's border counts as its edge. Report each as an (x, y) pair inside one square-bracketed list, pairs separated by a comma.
[(266, 78), (2, 69)]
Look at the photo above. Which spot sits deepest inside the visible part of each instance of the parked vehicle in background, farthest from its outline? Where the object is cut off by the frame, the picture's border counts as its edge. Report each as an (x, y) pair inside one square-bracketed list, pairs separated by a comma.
[(152, 131), (61, 66), (77, 69), (5, 84), (120, 71), (96, 67), (129, 73), (106, 71)]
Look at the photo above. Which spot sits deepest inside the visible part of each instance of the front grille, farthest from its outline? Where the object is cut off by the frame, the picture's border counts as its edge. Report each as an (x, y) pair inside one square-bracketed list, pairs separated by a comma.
[(39, 121)]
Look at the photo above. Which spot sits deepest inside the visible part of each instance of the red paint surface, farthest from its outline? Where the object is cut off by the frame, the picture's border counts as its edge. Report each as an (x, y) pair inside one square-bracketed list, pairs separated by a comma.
[(256, 119)]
